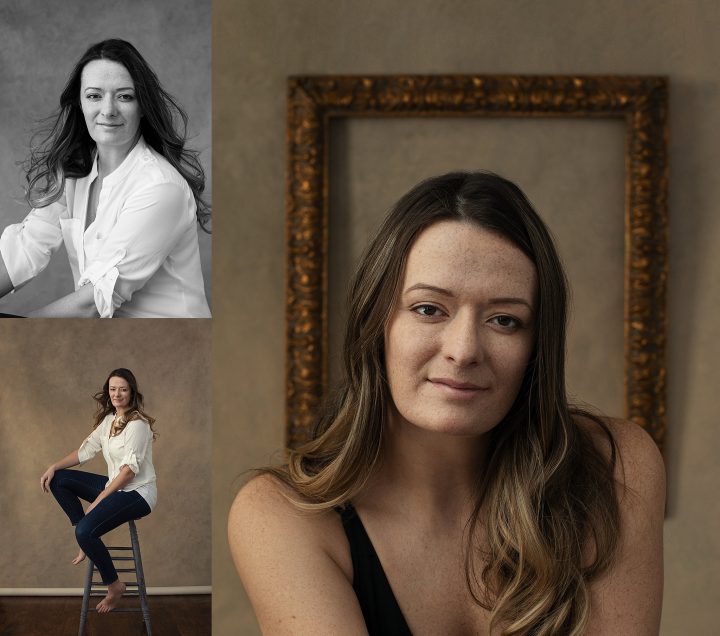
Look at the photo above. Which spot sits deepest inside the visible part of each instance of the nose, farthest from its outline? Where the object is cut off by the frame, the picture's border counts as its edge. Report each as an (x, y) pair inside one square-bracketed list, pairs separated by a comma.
[(462, 340), (108, 107)]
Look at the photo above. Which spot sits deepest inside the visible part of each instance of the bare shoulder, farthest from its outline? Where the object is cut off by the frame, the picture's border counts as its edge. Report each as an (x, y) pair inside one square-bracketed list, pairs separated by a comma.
[(628, 598), (265, 504), (639, 466), (295, 564)]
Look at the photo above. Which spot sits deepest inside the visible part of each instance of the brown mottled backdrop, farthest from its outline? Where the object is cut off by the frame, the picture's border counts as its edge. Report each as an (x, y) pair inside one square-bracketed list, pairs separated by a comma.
[(572, 170)]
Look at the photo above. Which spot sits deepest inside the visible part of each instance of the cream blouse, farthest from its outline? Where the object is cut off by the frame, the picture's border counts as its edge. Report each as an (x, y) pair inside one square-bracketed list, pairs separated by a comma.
[(141, 251), (131, 448)]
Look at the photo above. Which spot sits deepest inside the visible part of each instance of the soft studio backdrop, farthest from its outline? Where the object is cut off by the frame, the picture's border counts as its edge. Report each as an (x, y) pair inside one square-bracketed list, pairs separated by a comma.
[(40, 44), (257, 45), (50, 370)]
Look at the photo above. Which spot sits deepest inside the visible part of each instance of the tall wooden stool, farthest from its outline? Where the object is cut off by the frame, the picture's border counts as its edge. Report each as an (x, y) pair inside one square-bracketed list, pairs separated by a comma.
[(95, 588)]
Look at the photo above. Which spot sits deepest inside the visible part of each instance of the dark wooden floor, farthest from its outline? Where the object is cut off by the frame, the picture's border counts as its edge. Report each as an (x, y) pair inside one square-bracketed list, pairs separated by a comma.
[(60, 616)]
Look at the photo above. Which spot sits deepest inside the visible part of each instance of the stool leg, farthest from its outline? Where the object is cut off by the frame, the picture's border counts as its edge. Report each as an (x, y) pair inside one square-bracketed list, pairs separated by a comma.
[(86, 597), (142, 592)]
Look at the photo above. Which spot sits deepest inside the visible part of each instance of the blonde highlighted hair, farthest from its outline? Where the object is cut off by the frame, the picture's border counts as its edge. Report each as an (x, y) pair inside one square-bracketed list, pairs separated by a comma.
[(547, 499)]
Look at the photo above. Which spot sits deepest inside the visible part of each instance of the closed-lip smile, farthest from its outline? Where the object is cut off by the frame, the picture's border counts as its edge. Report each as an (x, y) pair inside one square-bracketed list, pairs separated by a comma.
[(456, 384)]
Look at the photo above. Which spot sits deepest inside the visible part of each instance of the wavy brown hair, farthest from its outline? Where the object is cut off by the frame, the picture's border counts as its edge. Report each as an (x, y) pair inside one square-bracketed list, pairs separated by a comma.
[(547, 499), (135, 410), (63, 148)]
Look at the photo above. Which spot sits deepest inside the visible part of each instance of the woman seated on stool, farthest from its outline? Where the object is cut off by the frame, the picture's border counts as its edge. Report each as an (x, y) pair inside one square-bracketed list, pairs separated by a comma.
[(114, 182), (124, 434), (448, 486)]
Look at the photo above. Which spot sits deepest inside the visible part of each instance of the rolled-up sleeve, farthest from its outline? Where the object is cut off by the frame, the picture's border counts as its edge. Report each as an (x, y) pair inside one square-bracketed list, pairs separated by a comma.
[(137, 436), (148, 228), (26, 247), (90, 447)]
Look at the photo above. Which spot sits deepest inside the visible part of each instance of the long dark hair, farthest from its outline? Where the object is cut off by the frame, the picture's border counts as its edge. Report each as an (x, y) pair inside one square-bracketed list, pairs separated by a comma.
[(135, 410), (548, 489), (65, 149)]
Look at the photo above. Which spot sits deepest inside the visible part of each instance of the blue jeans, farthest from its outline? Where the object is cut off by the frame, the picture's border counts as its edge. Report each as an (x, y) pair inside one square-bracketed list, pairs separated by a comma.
[(69, 486)]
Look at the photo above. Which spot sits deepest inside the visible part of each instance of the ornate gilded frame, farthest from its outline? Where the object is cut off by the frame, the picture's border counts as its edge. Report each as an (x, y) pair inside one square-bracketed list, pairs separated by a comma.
[(640, 100)]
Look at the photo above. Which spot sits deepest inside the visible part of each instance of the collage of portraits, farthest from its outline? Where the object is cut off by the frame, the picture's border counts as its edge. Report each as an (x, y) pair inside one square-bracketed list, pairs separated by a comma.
[(353, 318)]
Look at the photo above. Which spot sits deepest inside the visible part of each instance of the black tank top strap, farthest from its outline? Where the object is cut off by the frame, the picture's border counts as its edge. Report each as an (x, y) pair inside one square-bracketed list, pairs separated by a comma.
[(380, 609)]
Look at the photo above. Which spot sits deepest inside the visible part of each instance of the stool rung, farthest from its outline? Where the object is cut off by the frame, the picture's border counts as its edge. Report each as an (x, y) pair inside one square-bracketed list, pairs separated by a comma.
[(118, 547), (101, 584), (126, 595), (118, 558), (119, 609)]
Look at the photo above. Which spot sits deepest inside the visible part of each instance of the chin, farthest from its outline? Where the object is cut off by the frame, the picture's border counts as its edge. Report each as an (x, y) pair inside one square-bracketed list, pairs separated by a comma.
[(461, 429), (455, 425)]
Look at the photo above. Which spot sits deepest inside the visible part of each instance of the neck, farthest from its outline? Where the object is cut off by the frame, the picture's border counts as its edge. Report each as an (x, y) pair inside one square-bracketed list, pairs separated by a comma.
[(109, 158), (428, 473), (119, 412)]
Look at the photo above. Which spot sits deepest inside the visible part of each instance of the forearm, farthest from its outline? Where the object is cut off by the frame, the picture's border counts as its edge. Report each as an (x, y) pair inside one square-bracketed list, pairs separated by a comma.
[(123, 478), (67, 462), (79, 304)]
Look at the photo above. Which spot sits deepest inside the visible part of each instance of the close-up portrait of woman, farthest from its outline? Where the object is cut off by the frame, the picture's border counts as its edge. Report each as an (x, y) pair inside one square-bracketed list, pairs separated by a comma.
[(110, 176), (123, 432), (449, 485)]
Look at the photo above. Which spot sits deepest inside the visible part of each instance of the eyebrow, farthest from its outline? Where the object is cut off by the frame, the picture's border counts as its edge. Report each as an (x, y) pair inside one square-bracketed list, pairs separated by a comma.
[(502, 300), (122, 88)]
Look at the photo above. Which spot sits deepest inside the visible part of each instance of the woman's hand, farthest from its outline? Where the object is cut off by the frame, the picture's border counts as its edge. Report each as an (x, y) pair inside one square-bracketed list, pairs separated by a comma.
[(93, 505), (47, 478), (123, 478), (66, 462)]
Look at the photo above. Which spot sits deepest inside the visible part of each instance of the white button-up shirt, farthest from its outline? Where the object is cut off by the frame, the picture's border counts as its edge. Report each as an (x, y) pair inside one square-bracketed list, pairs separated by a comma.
[(131, 448), (140, 253)]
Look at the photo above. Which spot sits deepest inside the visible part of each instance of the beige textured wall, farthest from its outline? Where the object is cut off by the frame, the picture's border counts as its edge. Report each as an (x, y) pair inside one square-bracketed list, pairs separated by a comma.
[(257, 45), (49, 371)]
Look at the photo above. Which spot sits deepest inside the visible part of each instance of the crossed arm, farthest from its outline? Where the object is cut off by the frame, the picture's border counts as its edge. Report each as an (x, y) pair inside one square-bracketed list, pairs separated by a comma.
[(78, 304)]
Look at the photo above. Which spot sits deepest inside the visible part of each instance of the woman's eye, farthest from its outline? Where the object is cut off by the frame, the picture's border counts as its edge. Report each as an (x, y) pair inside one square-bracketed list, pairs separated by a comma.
[(507, 322), (126, 98), (427, 310), (92, 96)]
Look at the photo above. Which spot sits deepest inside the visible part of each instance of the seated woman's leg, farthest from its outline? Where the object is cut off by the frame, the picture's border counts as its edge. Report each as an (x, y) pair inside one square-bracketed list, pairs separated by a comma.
[(111, 512), (69, 486)]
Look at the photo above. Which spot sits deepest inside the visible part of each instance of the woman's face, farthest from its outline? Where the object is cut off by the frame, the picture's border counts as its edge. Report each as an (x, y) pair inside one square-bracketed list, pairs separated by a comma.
[(109, 104), (120, 392), (462, 330)]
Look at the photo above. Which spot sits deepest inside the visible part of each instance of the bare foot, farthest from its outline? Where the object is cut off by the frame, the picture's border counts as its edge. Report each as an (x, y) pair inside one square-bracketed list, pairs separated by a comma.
[(115, 592), (79, 558)]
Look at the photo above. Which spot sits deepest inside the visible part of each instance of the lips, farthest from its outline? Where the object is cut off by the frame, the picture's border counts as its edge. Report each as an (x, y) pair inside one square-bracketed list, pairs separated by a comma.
[(457, 384)]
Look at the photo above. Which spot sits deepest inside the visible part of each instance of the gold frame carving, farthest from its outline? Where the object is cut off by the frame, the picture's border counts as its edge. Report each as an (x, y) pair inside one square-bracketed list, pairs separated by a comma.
[(640, 100)]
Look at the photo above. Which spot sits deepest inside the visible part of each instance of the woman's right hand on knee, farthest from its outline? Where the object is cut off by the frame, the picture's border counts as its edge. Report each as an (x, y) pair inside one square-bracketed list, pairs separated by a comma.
[(47, 478)]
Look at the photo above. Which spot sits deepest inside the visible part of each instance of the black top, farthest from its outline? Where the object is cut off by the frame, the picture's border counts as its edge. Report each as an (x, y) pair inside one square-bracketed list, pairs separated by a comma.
[(380, 609)]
